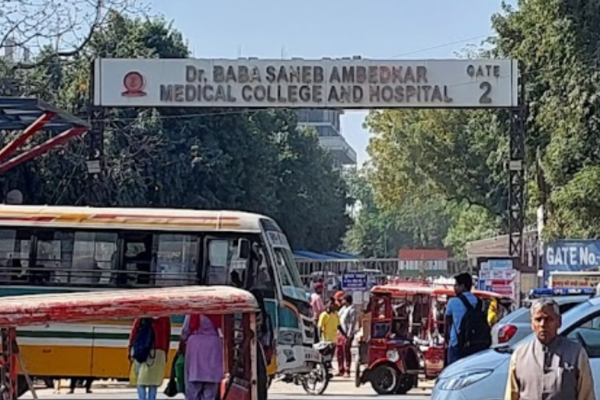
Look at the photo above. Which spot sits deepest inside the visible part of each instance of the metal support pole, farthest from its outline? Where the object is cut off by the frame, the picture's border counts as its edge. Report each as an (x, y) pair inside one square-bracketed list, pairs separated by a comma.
[(95, 140), (516, 178)]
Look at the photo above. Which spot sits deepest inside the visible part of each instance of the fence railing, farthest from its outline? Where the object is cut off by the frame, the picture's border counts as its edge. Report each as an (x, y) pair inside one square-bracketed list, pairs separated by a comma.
[(332, 270)]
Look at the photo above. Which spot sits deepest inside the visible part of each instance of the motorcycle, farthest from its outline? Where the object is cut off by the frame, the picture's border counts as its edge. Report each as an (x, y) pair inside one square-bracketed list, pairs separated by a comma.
[(317, 379)]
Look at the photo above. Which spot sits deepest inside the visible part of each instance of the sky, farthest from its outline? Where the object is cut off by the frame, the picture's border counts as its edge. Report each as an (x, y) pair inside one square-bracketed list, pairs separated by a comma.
[(312, 29)]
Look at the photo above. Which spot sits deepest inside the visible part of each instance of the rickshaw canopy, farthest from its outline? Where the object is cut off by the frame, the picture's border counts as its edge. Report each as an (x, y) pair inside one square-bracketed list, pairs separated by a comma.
[(29, 310), (413, 288)]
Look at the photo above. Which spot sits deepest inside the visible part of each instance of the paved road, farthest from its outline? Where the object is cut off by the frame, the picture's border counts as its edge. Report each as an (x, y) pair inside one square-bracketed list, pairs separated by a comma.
[(339, 389)]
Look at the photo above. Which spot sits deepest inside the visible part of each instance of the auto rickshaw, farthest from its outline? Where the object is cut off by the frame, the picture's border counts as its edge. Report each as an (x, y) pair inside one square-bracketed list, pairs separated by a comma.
[(403, 334), (386, 347), (431, 338), (237, 307)]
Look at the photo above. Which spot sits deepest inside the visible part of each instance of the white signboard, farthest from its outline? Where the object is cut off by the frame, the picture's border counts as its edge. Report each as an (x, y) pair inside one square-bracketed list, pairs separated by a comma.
[(298, 83)]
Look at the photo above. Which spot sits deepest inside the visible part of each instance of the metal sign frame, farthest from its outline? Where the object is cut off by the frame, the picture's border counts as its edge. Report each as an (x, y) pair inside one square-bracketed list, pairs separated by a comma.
[(515, 163)]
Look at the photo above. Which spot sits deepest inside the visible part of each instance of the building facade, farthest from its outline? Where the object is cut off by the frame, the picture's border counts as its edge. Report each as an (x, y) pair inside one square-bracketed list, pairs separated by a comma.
[(327, 125)]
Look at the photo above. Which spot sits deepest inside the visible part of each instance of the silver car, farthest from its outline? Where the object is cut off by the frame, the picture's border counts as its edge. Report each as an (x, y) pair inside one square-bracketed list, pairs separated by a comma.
[(517, 325), (483, 376)]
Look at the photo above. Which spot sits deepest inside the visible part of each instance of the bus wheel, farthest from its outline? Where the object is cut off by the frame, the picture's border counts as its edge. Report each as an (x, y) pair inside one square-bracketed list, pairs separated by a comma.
[(22, 386)]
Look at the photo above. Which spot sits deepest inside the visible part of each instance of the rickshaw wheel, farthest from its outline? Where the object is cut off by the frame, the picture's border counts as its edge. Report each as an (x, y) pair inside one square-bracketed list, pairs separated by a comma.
[(406, 382), (385, 379)]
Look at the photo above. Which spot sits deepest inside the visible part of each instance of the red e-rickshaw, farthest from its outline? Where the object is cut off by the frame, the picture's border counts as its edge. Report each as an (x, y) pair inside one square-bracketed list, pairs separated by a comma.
[(386, 348), (403, 334), (237, 307), (430, 338)]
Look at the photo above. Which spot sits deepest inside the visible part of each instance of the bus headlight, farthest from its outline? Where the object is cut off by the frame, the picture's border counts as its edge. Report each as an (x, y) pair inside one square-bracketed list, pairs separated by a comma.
[(290, 338), (287, 338), (392, 355)]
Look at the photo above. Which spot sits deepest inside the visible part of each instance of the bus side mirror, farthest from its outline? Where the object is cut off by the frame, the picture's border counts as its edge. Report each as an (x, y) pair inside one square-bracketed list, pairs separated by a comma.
[(243, 249)]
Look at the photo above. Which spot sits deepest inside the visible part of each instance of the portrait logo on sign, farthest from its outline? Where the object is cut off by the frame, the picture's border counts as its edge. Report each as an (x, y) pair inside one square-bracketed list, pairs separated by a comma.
[(134, 84)]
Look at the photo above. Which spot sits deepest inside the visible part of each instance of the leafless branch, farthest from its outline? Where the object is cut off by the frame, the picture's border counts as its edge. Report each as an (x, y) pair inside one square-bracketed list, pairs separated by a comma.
[(66, 26)]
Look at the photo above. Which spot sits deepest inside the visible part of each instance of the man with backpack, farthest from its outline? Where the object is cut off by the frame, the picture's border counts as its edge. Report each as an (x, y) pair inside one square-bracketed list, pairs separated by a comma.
[(467, 330)]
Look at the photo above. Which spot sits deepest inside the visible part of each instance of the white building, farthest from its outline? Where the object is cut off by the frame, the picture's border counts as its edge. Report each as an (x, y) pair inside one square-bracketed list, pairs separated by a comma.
[(327, 124)]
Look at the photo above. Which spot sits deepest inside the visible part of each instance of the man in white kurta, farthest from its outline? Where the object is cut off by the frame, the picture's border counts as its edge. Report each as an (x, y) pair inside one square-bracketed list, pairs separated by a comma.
[(549, 367)]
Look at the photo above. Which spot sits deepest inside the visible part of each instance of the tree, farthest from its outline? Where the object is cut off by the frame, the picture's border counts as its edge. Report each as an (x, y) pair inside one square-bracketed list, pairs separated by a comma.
[(381, 232), (454, 154), (65, 25), (556, 44), (469, 224), (192, 158)]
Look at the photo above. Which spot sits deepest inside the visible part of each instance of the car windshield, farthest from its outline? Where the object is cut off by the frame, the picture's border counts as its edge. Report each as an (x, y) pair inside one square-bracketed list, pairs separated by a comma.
[(570, 318)]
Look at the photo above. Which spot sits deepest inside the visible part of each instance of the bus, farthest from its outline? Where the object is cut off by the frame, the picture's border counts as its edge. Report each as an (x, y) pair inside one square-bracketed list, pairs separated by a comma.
[(56, 249)]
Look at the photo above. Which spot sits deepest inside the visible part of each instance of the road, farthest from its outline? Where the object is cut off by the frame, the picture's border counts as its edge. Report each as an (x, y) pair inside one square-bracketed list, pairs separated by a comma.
[(339, 389)]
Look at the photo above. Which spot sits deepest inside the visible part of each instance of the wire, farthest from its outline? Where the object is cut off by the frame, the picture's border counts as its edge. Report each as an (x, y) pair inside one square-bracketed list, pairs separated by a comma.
[(440, 46)]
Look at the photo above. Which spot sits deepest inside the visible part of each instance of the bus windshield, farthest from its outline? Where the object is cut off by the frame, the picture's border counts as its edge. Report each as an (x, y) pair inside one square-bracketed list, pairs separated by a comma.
[(287, 267)]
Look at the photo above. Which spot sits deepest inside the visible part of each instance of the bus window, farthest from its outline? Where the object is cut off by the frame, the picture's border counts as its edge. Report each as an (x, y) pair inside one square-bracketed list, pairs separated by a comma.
[(222, 262), (54, 257), (139, 259), (94, 258), (263, 279), (177, 259), (14, 254), (285, 261)]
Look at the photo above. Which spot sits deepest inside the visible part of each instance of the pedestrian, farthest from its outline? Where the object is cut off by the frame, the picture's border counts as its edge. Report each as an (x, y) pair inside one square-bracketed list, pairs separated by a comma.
[(549, 367), (346, 335), (329, 322), (149, 344), (317, 305), (492, 316), (75, 382), (203, 349), (467, 329), (339, 297)]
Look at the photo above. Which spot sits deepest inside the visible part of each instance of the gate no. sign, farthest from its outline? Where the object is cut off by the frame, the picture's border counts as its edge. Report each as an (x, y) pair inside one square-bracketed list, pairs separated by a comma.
[(354, 281)]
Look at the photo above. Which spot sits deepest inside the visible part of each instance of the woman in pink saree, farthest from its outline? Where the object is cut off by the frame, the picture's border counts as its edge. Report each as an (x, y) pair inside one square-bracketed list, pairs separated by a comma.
[(203, 357)]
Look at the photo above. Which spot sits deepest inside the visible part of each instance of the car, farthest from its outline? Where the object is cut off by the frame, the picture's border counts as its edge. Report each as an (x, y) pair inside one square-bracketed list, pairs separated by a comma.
[(483, 376), (517, 325)]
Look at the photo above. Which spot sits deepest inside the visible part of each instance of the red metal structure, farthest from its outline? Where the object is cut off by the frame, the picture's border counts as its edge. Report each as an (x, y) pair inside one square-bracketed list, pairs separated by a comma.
[(31, 310), (30, 115)]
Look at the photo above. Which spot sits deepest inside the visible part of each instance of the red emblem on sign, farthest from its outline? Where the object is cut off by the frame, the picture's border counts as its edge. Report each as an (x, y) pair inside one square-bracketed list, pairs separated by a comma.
[(134, 84)]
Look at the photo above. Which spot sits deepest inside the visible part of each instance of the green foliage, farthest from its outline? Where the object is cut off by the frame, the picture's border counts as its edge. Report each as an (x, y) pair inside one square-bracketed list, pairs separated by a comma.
[(556, 43), (379, 232), (192, 158), (460, 155)]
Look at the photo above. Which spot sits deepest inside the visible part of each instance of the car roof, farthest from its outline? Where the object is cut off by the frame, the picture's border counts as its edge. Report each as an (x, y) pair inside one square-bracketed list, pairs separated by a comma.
[(565, 299)]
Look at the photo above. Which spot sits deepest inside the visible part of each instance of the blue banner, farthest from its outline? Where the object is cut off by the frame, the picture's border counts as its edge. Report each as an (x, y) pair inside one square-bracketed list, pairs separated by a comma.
[(571, 255), (354, 281), (500, 264)]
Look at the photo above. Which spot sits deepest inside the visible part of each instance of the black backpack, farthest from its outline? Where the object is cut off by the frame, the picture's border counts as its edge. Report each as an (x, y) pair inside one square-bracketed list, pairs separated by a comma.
[(143, 342), (474, 333)]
